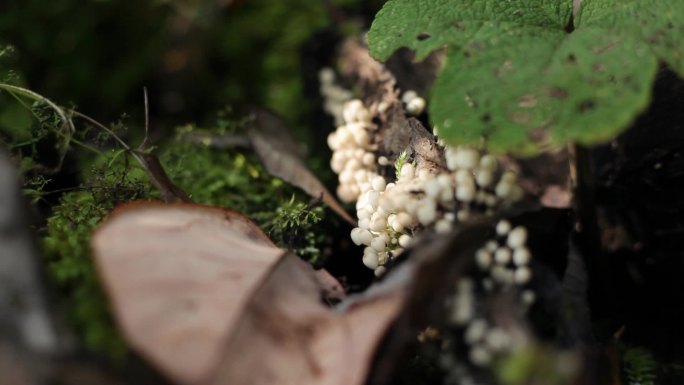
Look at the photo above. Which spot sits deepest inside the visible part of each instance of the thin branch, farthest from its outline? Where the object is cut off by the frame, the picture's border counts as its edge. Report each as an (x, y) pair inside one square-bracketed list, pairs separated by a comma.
[(146, 141)]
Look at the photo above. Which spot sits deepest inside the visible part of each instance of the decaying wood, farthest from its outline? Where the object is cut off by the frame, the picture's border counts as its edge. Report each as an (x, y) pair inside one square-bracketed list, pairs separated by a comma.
[(282, 155), (396, 133)]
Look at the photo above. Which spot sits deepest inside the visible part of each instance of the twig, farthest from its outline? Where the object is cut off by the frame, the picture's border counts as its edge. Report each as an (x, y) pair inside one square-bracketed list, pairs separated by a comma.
[(146, 141)]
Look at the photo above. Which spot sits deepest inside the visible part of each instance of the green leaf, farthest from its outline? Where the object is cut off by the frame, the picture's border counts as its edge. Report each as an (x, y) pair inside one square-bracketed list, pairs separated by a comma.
[(427, 25), (516, 77), (658, 23)]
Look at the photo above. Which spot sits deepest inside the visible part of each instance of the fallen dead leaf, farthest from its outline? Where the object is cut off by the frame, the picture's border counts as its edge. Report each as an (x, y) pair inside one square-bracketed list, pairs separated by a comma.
[(206, 297), (282, 157)]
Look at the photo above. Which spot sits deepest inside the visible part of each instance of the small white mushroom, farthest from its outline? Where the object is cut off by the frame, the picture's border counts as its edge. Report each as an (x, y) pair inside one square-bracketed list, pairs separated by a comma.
[(503, 227), (408, 96), (480, 356), (467, 158), (355, 235), (502, 255), (443, 226), (462, 309), (427, 212), (378, 183), (378, 244), (522, 275), (483, 258), (405, 240), (416, 106), (368, 159), (528, 297), (370, 260), (432, 188), (517, 237), (407, 171), (465, 193), (497, 339), (521, 256), (484, 178), (489, 162), (475, 331), (364, 236), (462, 215), (383, 161), (491, 246)]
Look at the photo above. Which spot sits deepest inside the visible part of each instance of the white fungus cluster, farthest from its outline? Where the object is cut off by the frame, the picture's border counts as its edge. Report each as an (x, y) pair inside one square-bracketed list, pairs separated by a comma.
[(353, 151), (504, 261), (334, 96), (390, 214), (414, 104)]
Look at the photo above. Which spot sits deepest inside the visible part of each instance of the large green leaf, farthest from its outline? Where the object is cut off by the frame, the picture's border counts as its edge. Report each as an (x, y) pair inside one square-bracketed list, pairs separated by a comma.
[(515, 76)]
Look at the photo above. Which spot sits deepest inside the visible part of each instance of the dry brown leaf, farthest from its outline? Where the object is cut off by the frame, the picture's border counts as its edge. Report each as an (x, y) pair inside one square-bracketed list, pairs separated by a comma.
[(282, 157), (205, 296), (178, 277), (287, 337)]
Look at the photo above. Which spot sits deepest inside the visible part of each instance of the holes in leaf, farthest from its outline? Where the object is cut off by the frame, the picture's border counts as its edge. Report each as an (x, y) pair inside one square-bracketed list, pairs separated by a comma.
[(586, 106), (458, 26), (527, 101), (423, 36), (571, 59), (486, 118), (558, 93), (539, 136)]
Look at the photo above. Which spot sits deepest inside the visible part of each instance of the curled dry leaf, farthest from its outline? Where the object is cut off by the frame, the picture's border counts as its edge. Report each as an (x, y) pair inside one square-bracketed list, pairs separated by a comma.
[(282, 157), (204, 295)]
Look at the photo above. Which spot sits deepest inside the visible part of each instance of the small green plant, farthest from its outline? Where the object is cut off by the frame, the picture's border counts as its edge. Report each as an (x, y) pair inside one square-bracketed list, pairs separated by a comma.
[(294, 226), (640, 367), (525, 75), (66, 247), (399, 163)]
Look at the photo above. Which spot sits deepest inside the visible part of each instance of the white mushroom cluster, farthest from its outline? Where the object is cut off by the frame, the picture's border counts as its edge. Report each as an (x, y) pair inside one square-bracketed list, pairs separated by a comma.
[(390, 214), (507, 259), (334, 96), (353, 152), (505, 264), (414, 104)]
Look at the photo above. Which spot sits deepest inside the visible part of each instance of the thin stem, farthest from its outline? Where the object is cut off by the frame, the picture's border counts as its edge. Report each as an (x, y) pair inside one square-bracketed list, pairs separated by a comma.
[(146, 140), (35, 96), (104, 128)]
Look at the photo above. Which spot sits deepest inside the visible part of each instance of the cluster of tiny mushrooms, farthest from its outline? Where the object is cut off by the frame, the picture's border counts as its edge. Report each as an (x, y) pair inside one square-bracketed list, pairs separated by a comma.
[(393, 208)]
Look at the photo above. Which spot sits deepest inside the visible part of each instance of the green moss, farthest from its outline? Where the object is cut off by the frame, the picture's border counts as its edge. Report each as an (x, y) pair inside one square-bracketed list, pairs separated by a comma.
[(535, 364), (293, 226), (66, 248), (640, 366), (227, 178), (236, 179)]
